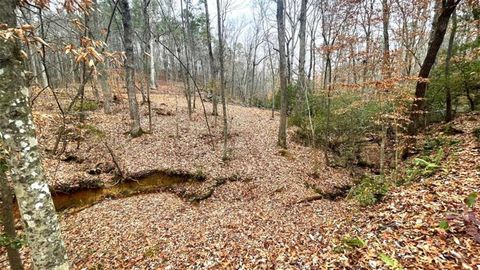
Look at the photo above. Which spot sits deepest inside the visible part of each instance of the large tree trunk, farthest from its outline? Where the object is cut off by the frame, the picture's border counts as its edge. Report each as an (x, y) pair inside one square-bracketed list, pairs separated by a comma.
[(7, 219), (17, 131), (129, 68), (436, 38), (282, 131)]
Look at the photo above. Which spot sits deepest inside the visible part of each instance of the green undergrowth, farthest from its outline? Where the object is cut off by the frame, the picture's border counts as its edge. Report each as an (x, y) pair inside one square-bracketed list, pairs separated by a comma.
[(88, 105), (370, 190), (348, 244), (430, 160)]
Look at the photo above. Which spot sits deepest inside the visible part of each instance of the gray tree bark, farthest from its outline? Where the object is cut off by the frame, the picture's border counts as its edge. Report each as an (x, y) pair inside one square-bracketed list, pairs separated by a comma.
[(17, 131), (282, 131), (147, 57), (222, 80), (106, 90), (213, 68), (135, 130), (301, 35), (448, 92)]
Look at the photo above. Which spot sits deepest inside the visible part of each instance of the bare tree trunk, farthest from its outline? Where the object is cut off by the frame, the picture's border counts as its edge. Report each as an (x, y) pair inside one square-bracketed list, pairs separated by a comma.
[(436, 38), (7, 219), (153, 83), (135, 130), (301, 34), (213, 68), (17, 131), (222, 80), (188, 92), (386, 75), (448, 93), (282, 131), (102, 69), (386, 39), (147, 57)]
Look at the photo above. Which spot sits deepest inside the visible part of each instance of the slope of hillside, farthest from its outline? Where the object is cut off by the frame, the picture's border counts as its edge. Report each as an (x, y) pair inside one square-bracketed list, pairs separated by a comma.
[(254, 218)]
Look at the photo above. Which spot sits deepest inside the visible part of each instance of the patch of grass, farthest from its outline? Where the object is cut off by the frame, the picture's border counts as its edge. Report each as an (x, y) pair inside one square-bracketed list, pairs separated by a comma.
[(199, 174), (151, 251), (349, 243), (392, 263), (88, 105), (93, 131), (370, 190)]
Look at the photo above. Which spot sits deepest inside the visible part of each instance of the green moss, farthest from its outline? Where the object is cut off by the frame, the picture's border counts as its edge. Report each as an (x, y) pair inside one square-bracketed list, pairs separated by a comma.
[(88, 105), (370, 190), (93, 131), (349, 243)]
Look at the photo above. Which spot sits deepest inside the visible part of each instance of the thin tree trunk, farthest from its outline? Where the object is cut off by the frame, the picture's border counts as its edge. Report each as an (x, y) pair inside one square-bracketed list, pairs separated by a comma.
[(17, 131), (301, 35), (188, 93), (386, 71), (213, 68), (135, 130), (282, 131), (147, 57), (102, 69), (222, 80), (153, 83), (448, 93)]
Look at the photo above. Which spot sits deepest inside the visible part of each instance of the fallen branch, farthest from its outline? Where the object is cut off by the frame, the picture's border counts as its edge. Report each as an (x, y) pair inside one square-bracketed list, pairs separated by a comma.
[(115, 161)]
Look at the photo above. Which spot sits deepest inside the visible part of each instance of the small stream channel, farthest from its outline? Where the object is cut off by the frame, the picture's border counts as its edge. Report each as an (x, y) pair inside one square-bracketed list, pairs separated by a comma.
[(89, 196), (149, 182)]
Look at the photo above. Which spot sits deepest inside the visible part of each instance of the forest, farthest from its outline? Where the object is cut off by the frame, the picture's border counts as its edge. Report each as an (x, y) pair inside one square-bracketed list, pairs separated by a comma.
[(239, 134)]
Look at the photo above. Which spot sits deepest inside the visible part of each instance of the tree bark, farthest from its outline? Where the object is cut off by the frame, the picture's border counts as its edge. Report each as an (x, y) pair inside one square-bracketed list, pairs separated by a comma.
[(448, 93), (213, 67), (387, 73), (301, 34), (147, 57), (222, 80), (282, 131), (436, 39), (135, 130), (106, 90), (17, 131), (7, 218)]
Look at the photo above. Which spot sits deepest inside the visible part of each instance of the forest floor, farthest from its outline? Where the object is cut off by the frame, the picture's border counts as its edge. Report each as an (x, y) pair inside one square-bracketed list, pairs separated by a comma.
[(255, 219)]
